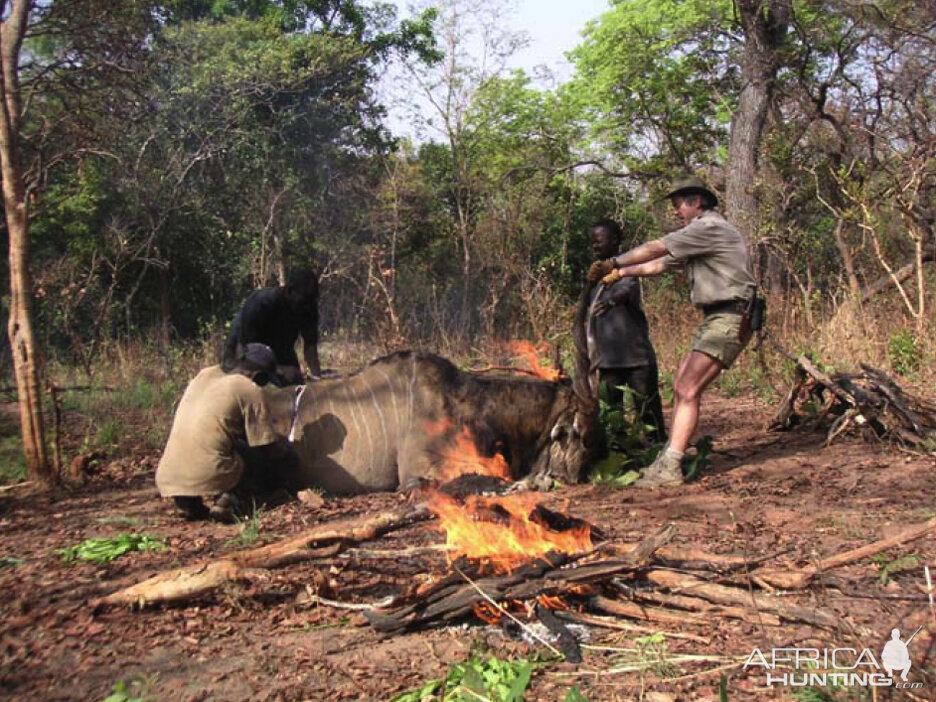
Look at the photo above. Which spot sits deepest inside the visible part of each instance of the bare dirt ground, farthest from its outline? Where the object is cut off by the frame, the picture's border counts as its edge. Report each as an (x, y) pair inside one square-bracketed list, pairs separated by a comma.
[(763, 493)]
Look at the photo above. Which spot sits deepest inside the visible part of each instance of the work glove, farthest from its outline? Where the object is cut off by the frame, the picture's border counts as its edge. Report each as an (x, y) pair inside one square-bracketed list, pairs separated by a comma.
[(612, 277), (598, 270)]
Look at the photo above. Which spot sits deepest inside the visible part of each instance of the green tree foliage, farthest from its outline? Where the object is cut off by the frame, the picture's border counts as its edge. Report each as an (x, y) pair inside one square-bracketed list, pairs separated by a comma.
[(656, 81), (247, 118), (247, 137)]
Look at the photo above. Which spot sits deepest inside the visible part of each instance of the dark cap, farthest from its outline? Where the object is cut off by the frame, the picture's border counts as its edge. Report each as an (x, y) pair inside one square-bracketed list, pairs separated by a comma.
[(691, 185), (260, 357)]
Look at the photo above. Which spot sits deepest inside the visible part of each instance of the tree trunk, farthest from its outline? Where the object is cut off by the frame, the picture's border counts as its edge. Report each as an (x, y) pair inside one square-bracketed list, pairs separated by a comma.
[(165, 311), (765, 24), (20, 330)]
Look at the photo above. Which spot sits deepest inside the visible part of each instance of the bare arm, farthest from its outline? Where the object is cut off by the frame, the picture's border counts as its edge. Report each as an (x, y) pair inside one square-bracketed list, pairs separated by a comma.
[(649, 251), (643, 270)]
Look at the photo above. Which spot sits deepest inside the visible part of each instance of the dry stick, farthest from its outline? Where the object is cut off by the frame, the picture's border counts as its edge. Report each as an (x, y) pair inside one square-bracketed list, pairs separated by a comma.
[(314, 599), (929, 591), (697, 559), (611, 623), (720, 594), (703, 673), (638, 666), (632, 610), (395, 554), (192, 581), (14, 486), (798, 579), (695, 604)]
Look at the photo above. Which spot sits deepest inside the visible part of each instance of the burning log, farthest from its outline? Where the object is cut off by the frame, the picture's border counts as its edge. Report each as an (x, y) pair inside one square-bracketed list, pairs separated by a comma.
[(453, 597), (868, 401)]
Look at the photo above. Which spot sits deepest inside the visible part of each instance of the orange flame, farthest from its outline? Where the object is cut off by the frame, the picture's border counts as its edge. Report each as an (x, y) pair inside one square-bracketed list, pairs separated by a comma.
[(493, 613), (514, 536), (532, 358), (462, 458), (512, 540)]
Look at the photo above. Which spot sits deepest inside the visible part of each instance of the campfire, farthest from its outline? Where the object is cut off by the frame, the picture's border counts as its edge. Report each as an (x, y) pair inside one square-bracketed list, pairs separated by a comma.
[(502, 533), (498, 532)]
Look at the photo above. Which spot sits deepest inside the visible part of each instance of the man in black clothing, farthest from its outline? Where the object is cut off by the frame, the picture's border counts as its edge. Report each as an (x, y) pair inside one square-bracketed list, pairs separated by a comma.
[(276, 316), (619, 338)]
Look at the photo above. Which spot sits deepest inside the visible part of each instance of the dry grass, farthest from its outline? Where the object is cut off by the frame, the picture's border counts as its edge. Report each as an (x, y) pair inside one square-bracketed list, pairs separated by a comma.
[(842, 337), (135, 385)]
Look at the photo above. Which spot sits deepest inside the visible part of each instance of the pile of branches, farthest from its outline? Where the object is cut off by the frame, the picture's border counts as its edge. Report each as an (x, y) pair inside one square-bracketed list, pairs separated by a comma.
[(868, 403)]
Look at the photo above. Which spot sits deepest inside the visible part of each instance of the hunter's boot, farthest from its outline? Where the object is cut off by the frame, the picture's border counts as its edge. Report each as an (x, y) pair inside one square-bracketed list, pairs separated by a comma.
[(664, 471)]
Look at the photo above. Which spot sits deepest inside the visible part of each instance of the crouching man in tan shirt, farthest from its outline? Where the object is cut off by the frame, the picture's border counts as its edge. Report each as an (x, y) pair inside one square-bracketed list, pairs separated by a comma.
[(221, 428)]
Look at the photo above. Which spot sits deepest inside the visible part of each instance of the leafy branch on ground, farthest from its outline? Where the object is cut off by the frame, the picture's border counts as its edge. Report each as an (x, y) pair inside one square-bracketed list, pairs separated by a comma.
[(695, 463), (629, 445)]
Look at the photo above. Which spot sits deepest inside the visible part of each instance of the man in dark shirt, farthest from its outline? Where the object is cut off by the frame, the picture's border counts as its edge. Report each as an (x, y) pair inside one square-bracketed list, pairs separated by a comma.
[(276, 317), (619, 338)]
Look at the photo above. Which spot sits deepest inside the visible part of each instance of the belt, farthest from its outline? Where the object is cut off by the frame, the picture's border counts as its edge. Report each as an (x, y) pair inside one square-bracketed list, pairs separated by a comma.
[(730, 306)]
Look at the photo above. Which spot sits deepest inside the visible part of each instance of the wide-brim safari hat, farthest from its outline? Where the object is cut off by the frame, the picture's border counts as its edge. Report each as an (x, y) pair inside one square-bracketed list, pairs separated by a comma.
[(691, 185)]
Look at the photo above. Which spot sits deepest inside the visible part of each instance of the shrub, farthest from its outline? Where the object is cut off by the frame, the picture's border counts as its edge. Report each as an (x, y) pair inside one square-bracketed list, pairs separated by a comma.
[(903, 352)]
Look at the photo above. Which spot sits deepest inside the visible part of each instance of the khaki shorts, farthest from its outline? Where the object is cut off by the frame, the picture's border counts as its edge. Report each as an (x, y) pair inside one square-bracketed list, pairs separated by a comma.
[(720, 337)]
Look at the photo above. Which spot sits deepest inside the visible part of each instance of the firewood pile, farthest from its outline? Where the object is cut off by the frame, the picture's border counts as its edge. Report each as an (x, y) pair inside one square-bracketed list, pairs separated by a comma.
[(603, 585), (868, 403)]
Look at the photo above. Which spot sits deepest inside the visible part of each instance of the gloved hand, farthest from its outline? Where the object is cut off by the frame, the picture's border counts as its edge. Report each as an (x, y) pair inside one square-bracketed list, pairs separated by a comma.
[(598, 270), (612, 277)]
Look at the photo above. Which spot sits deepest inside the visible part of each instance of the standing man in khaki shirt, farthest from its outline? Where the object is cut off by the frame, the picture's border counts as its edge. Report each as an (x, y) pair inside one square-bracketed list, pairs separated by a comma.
[(221, 418), (715, 256)]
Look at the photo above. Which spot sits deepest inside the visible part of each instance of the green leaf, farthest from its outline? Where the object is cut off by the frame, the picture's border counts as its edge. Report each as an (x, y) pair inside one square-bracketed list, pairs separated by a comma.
[(517, 690)]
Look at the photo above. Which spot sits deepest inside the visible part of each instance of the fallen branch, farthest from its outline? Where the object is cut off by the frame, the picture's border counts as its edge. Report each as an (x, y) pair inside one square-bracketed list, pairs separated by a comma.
[(633, 610), (797, 579), (678, 583), (433, 550), (696, 604), (697, 559), (200, 579)]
